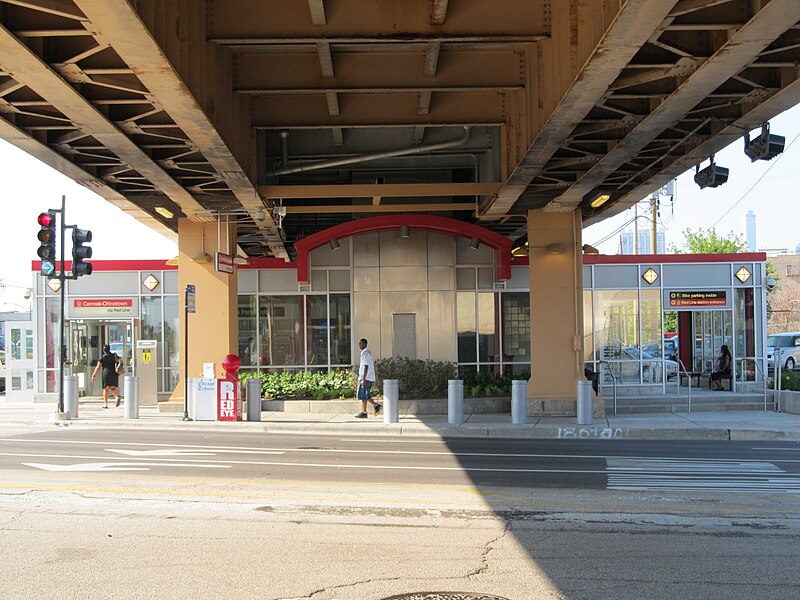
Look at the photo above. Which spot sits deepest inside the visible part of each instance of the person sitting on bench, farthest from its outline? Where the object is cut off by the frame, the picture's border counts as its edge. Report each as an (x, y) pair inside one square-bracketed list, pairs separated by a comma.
[(723, 368)]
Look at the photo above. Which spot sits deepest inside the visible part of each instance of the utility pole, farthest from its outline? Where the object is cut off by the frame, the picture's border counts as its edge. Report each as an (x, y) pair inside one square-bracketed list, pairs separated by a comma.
[(653, 212), (636, 228)]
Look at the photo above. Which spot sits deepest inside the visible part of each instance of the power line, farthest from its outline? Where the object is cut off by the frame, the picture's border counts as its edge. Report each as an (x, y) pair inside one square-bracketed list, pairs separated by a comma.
[(764, 174)]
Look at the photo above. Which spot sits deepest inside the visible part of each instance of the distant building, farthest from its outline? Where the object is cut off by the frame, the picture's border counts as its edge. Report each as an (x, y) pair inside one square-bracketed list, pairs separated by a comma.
[(786, 265), (626, 242), (749, 230)]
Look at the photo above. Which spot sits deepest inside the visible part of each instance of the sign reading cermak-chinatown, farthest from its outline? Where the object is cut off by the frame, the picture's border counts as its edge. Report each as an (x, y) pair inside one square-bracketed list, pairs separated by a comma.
[(698, 298), (103, 308)]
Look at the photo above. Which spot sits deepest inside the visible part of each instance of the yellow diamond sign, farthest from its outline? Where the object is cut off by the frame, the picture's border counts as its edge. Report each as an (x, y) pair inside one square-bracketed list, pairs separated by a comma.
[(650, 276), (742, 274)]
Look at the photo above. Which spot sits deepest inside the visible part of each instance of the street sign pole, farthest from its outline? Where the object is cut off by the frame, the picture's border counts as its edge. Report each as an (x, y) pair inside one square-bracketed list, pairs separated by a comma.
[(190, 307)]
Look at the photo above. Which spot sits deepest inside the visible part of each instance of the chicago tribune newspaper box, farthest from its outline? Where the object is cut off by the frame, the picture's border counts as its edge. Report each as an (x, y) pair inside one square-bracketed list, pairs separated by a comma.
[(214, 400)]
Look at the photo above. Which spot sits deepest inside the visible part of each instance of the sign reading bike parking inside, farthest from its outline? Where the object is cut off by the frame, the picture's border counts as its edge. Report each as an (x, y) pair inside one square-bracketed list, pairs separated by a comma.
[(103, 308), (698, 299)]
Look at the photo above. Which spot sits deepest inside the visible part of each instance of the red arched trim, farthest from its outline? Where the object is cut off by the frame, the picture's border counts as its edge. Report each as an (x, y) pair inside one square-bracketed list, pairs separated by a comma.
[(500, 244)]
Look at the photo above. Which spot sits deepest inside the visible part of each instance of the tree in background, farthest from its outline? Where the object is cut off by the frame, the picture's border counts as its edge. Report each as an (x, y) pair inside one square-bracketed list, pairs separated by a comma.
[(709, 242), (784, 307)]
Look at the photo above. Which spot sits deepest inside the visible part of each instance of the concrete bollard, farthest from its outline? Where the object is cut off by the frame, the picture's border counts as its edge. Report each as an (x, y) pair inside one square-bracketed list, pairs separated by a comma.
[(131, 395), (584, 405), (455, 401), (519, 401), (391, 401), (71, 395), (253, 399)]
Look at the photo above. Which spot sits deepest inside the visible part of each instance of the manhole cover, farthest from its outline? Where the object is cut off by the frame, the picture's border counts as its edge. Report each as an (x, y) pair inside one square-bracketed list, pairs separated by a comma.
[(444, 596)]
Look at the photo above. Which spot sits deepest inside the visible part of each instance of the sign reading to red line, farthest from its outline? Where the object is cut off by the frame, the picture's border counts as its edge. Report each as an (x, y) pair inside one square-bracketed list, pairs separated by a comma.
[(98, 308)]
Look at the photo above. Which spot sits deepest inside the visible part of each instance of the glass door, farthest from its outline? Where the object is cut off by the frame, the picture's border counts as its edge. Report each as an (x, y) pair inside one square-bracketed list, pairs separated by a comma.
[(19, 361), (712, 329)]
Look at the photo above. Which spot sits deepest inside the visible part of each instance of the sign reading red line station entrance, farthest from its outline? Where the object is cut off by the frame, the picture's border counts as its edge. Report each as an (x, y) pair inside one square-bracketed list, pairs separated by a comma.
[(684, 299)]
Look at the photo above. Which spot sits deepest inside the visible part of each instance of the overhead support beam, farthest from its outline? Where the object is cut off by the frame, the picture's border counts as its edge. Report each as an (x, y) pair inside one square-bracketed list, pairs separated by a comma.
[(685, 7), (438, 12), (325, 59), (490, 40), (432, 50), (333, 103), (781, 101), (26, 67), (735, 54), (338, 136), (53, 159), (384, 190), (382, 208), (376, 200), (117, 21), (424, 102), (317, 9), (633, 26), (58, 8), (419, 134)]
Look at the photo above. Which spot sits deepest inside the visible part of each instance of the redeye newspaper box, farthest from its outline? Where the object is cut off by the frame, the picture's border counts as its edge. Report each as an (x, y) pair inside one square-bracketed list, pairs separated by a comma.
[(214, 400)]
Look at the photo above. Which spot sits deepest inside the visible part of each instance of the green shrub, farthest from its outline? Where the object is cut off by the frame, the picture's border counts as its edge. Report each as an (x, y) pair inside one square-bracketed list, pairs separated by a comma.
[(417, 378), (487, 385), (320, 385), (790, 381)]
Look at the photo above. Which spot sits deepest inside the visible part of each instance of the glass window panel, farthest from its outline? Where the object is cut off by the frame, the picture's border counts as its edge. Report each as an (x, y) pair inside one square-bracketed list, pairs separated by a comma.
[(616, 323), (467, 350), (588, 328), (339, 281), (317, 331), (488, 342), (171, 334), (319, 281), (248, 331), (516, 327), (51, 320), (651, 323), (465, 279), (485, 279), (281, 324), (341, 343), (152, 323)]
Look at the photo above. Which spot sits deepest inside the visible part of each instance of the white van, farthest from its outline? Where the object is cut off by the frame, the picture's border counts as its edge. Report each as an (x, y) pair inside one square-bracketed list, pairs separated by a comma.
[(789, 346)]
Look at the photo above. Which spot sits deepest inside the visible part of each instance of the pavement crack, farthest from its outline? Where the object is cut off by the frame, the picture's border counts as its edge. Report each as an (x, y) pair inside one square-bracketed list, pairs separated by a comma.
[(487, 549), (311, 595)]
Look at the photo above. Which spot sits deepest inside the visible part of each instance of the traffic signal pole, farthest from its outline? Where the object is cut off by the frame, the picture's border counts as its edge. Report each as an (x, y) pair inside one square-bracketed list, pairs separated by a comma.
[(62, 279)]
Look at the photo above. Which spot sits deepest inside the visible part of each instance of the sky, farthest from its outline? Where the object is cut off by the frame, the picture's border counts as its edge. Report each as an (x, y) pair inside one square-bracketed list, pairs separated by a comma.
[(771, 189)]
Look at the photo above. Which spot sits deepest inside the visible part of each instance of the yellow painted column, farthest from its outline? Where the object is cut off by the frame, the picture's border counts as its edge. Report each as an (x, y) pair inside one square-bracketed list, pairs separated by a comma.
[(556, 276), (213, 329)]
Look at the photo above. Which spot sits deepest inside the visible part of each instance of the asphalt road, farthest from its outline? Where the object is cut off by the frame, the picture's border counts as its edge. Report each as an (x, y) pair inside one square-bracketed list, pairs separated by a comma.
[(181, 514), (731, 467)]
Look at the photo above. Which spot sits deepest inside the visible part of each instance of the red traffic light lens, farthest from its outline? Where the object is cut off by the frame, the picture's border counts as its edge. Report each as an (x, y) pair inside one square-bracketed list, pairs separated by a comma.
[(45, 219)]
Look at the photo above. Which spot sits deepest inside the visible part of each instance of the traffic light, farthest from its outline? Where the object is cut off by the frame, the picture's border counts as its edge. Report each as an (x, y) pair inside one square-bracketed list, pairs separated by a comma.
[(765, 146), (712, 176), (80, 252), (47, 243)]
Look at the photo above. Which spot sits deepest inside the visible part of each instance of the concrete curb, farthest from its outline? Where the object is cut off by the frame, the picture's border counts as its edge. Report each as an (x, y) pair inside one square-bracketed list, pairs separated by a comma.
[(486, 431)]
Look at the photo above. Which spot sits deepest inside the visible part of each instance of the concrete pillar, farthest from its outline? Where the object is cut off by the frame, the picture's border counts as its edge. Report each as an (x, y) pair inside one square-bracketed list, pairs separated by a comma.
[(556, 277), (214, 328)]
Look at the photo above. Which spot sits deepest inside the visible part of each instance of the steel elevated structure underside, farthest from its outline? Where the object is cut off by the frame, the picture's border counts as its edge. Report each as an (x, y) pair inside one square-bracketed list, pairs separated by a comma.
[(291, 116)]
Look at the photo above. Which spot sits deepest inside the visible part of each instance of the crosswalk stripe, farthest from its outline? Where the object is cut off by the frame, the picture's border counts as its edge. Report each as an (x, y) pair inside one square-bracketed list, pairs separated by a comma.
[(632, 474)]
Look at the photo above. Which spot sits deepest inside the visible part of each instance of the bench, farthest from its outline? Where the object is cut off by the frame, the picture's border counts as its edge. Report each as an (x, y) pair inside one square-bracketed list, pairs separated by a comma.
[(693, 375), (723, 378)]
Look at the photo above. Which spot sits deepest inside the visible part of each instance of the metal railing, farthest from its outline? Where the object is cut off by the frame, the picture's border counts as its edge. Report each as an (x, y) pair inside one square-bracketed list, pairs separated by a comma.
[(613, 381), (682, 368)]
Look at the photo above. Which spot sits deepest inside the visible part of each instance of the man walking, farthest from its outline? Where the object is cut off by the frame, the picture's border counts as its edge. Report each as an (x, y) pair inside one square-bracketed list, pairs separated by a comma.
[(366, 376)]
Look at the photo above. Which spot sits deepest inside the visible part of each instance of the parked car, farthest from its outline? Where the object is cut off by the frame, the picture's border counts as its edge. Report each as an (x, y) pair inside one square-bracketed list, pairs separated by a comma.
[(3, 371), (669, 345), (789, 345), (627, 369)]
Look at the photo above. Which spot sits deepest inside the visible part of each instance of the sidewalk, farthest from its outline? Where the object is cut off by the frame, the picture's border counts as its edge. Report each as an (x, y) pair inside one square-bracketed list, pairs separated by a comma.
[(756, 425)]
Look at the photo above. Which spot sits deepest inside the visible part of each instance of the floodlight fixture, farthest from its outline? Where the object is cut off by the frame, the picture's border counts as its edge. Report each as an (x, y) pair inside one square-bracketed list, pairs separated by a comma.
[(764, 146), (712, 176)]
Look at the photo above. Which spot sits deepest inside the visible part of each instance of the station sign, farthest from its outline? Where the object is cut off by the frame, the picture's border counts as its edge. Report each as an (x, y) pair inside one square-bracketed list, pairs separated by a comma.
[(103, 308), (223, 262), (697, 298)]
